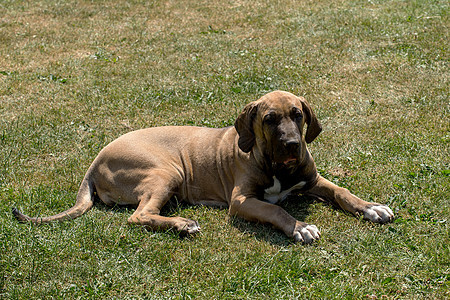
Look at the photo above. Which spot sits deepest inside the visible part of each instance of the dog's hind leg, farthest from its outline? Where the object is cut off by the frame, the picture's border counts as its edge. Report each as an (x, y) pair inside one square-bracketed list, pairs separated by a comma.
[(147, 214), (150, 205)]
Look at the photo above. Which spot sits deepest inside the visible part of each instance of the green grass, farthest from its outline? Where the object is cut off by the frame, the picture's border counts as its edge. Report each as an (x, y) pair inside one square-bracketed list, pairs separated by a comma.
[(74, 75)]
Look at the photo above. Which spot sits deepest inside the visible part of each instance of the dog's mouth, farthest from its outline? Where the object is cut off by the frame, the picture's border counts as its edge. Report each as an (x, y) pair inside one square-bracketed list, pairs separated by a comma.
[(287, 157), (288, 164), (291, 161)]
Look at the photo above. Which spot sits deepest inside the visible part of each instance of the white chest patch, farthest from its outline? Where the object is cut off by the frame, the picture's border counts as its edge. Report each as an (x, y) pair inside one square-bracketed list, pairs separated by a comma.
[(274, 194)]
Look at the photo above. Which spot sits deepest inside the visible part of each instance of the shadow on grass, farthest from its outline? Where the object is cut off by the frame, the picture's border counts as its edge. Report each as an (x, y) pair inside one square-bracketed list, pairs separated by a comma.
[(296, 206), (99, 205), (172, 208)]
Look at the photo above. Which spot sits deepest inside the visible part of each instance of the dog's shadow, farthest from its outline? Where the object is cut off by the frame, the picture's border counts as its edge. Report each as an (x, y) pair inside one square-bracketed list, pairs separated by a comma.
[(296, 205), (120, 209)]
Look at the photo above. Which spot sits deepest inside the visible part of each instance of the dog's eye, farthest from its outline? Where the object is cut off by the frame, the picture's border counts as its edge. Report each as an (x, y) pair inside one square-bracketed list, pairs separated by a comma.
[(297, 115), (269, 118)]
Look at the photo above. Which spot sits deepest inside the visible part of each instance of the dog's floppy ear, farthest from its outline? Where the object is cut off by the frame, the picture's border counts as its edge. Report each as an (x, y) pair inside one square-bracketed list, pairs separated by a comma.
[(314, 127), (244, 127)]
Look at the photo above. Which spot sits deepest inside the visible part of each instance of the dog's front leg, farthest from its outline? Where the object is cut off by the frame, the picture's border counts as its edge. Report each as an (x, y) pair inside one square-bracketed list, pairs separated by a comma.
[(374, 212), (252, 209)]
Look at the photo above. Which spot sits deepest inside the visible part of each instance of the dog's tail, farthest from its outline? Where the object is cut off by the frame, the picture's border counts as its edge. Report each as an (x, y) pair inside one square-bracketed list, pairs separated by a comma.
[(85, 200)]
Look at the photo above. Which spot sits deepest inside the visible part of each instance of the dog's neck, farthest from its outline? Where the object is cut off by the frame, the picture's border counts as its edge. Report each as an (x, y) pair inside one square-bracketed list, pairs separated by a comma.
[(288, 176), (304, 171)]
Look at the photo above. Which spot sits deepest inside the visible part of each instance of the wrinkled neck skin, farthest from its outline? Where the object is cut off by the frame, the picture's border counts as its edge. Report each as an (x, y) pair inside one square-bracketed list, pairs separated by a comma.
[(264, 160)]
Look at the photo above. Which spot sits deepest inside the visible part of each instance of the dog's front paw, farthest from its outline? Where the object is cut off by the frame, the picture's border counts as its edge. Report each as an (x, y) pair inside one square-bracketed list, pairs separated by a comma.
[(306, 233), (186, 226), (378, 213)]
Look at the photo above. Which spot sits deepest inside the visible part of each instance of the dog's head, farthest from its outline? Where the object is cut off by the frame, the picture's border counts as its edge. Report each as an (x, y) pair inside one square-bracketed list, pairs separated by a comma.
[(274, 124)]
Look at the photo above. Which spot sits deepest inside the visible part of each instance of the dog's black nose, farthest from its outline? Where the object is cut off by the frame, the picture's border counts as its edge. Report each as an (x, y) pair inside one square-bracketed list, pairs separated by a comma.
[(292, 144)]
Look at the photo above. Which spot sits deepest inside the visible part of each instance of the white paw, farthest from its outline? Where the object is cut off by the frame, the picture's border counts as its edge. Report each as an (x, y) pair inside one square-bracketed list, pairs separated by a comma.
[(193, 229), (306, 234), (188, 227), (378, 213)]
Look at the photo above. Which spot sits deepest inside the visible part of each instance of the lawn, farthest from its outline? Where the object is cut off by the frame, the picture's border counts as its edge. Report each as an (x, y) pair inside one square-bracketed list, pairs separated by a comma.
[(75, 75)]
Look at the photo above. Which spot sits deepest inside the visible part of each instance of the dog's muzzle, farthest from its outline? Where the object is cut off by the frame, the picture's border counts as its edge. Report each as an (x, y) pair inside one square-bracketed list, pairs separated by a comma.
[(292, 152)]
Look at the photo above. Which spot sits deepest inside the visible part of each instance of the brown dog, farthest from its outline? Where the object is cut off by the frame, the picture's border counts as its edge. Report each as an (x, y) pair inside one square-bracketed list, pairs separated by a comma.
[(248, 168)]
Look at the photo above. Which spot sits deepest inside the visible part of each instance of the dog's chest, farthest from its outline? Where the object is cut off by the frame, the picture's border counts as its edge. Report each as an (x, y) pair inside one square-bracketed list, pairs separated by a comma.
[(276, 193)]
